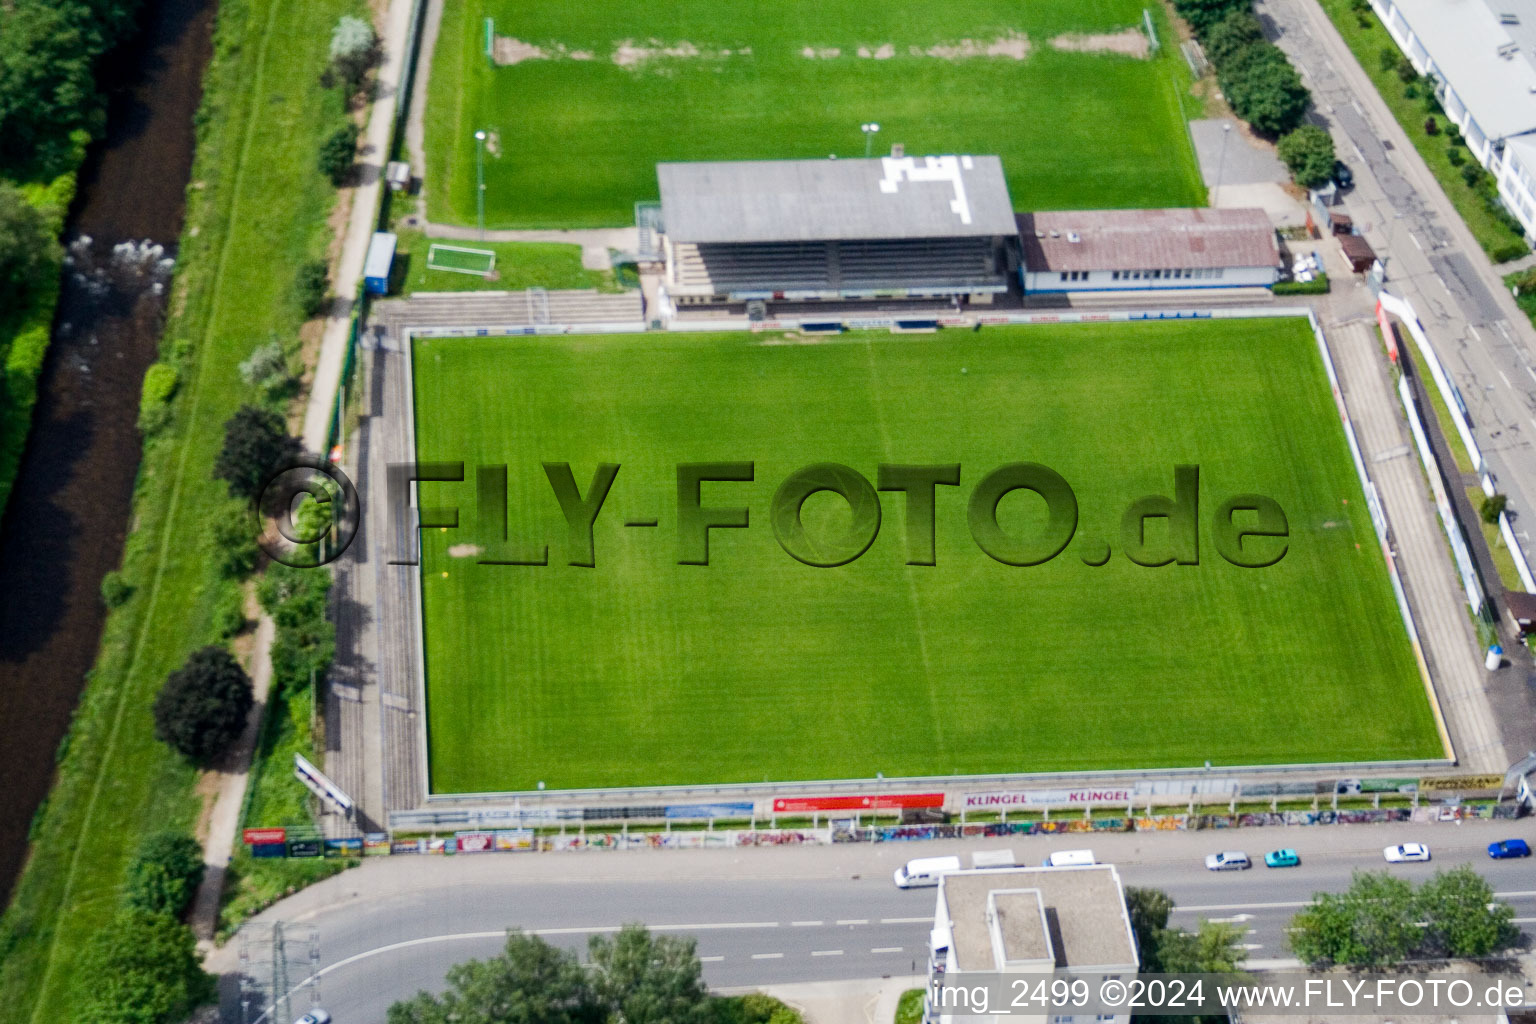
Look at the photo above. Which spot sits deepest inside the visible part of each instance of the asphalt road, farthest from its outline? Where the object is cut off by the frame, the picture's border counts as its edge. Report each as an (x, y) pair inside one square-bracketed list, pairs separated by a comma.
[(764, 917)]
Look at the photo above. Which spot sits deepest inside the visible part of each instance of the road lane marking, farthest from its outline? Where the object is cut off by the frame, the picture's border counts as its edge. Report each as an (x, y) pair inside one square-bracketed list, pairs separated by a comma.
[(1287, 904), (1504, 379), (806, 924), (1415, 242), (710, 959), (856, 920), (1531, 372), (826, 952), (907, 920), (886, 949), (767, 956)]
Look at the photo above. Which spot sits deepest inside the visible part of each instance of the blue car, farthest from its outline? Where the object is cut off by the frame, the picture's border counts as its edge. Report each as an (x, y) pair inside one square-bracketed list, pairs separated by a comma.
[(1509, 848)]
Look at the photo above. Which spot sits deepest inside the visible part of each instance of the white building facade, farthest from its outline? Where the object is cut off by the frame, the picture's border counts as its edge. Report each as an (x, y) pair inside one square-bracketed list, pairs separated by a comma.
[(1483, 55)]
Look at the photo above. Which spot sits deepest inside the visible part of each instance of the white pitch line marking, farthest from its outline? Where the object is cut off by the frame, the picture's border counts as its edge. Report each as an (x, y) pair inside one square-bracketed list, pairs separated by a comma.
[(826, 952), (854, 920), (767, 956), (806, 924), (886, 949)]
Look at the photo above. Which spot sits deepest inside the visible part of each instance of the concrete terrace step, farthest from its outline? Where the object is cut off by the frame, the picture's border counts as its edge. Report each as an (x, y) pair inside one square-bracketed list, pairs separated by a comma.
[(500, 309)]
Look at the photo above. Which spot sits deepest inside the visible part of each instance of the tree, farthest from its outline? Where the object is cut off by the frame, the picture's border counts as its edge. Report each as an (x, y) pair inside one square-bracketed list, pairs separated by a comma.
[(1235, 32), (311, 283), (1308, 152), (1462, 917), (1214, 949), (338, 152), (256, 446), (306, 639), (1203, 14), (1149, 911), (143, 968), (1372, 924), (203, 705), (354, 49), (165, 873), (26, 246), (646, 979), (530, 982), (1493, 506), (266, 368), (1265, 90)]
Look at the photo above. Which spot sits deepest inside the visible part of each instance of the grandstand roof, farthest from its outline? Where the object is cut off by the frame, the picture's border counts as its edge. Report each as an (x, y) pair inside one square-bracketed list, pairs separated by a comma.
[(824, 200), (1147, 239)]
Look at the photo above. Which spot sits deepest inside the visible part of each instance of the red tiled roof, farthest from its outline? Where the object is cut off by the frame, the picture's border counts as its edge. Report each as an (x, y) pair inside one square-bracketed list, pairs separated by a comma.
[(1147, 239)]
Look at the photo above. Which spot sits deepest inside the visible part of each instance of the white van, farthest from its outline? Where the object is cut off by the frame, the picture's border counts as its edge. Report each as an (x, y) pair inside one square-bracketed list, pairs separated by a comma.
[(1070, 859), (924, 871)]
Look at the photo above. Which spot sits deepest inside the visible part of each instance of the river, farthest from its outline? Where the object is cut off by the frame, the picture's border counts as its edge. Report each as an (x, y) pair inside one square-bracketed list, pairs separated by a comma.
[(68, 513)]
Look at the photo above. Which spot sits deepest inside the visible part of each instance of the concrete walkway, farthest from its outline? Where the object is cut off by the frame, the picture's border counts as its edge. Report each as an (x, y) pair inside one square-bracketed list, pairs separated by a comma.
[(861, 1001)]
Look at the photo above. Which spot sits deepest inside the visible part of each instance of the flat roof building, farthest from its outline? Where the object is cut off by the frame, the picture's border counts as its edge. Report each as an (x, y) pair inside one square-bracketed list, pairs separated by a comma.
[(1046, 921), (1107, 250), (1482, 53), (809, 230)]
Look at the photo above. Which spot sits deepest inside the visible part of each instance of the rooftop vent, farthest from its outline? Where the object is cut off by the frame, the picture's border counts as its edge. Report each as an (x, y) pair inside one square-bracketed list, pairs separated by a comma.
[(1073, 236), (1508, 50), (1509, 18), (1055, 233), (1041, 234)]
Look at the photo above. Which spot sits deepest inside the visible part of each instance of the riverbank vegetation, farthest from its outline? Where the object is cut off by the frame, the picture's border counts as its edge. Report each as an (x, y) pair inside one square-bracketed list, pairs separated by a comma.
[(257, 209)]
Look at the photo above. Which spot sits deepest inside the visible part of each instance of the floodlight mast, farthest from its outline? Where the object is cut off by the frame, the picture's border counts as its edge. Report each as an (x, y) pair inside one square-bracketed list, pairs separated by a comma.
[(869, 128), (480, 181)]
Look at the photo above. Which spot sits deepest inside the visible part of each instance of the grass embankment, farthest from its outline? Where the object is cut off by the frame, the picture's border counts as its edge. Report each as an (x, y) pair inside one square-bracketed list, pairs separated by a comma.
[(1502, 559), (909, 1010), (256, 209), (24, 335), (576, 134), (1368, 38), (518, 265), (1132, 666)]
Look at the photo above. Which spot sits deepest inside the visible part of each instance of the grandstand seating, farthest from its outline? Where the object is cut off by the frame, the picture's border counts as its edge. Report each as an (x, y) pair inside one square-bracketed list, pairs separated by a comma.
[(885, 264)]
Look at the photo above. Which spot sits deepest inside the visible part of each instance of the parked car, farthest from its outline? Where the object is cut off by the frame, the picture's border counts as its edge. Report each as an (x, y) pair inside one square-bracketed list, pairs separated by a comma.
[(1506, 849), (1406, 852), (315, 1016), (1342, 175), (1281, 859), (1231, 860)]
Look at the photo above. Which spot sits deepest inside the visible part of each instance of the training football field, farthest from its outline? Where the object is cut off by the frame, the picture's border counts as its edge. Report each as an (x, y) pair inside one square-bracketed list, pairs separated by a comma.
[(601, 90), (757, 667)]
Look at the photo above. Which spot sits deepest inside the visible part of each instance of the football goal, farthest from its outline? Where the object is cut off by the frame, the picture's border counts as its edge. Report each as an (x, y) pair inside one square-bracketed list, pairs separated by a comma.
[(459, 260)]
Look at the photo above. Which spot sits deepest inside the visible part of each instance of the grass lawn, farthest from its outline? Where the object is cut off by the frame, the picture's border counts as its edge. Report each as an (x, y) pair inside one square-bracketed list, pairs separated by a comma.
[(758, 667), (1525, 299), (909, 1009), (576, 140), (1367, 42), (257, 209), (518, 265)]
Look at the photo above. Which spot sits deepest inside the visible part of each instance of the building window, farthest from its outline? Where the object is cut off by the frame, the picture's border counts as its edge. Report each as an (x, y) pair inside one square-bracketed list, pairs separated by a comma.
[(1063, 275), (1114, 275), (1157, 274)]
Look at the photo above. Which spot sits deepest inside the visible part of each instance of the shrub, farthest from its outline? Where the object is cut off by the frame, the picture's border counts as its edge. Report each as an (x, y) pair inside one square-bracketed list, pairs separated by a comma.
[(1231, 35), (354, 49), (1387, 58), (115, 590), (1406, 72), (337, 154), (1492, 507), (159, 387), (1317, 286), (1308, 152), (1508, 251), (1472, 174), (1456, 156), (165, 873), (203, 705), (266, 369), (311, 287), (1202, 15), (142, 969), (1431, 126), (229, 613), (233, 540), (27, 248)]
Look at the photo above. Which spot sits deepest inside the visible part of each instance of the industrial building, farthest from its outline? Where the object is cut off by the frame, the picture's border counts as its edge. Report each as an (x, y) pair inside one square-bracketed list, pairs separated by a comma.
[(1050, 922), (1482, 54), (934, 227), (1147, 250)]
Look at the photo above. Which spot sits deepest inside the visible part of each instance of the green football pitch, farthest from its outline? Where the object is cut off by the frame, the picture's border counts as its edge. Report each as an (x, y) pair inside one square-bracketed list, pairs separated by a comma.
[(757, 667), (575, 134)]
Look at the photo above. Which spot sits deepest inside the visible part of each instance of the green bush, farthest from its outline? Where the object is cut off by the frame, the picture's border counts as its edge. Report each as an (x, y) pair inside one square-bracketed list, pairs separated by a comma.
[(203, 705), (1456, 156), (1308, 152), (142, 968), (160, 382), (229, 612), (311, 287), (1265, 90), (165, 873), (1317, 286), (338, 153), (1231, 35), (1203, 15), (1509, 251), (115, 590)]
